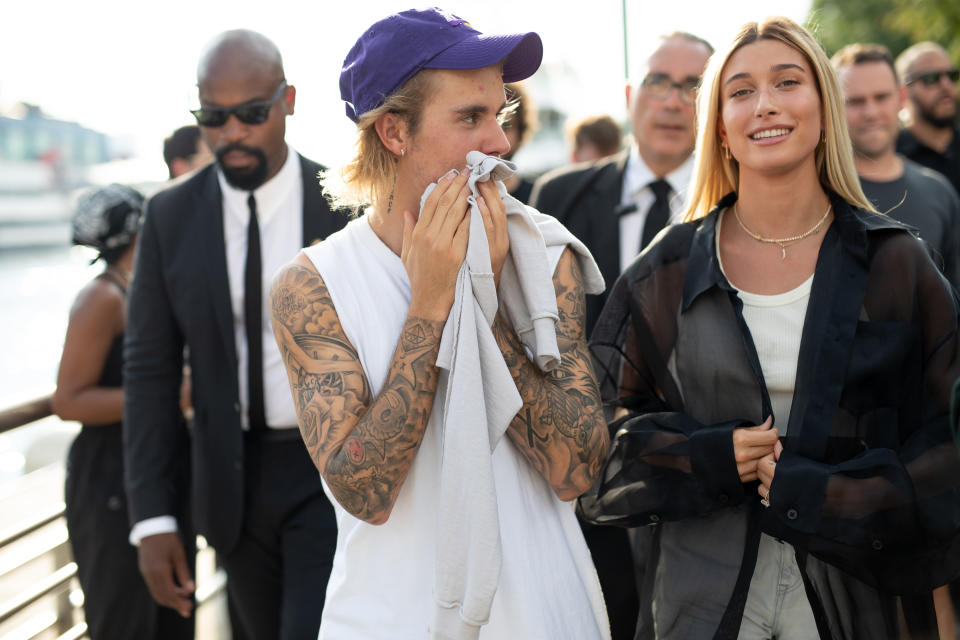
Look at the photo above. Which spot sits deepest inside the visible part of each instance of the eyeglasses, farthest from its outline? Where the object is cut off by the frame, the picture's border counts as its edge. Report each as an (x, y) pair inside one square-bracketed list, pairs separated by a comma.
[(931, 78), (250, 113), (659, 85)]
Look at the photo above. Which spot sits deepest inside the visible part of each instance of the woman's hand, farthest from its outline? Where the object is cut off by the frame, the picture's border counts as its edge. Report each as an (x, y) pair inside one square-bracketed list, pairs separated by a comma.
[(766, 468), (494, 215), (434, 247), (750, 445)]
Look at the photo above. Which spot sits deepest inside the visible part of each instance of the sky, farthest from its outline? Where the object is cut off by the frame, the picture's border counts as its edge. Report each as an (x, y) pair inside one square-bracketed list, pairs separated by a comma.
[(128, 69)]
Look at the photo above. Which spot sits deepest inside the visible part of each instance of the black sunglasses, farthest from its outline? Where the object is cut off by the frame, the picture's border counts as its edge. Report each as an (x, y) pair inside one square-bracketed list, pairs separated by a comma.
[(931, 78), (250, 113)]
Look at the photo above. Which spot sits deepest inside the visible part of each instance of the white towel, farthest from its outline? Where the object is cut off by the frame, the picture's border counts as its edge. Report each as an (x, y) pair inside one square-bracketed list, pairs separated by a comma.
[(481, 397)]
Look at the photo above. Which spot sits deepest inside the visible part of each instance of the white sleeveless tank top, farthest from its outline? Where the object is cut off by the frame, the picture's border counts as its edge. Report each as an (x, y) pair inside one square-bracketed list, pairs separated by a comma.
[(381, 584)]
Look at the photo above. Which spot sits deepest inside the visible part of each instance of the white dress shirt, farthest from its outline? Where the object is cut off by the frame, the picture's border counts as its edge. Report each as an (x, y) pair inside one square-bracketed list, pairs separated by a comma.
[(280, 216), (636, 179)]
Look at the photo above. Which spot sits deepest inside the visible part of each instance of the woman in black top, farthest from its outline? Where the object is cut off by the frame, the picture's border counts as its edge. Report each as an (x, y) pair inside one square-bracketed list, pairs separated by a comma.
[(89, 390), (780, 366)]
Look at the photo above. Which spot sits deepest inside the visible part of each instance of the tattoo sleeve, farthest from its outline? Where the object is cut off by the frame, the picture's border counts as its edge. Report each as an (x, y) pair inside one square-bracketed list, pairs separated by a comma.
[(560, 429), (363, 446)]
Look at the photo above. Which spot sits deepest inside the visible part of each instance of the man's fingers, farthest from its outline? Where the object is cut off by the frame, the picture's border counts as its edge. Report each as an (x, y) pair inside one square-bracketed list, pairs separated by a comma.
[(485, 213), (185, 587), (161, 558), (462, 236), (452, 199), (449, 216), (183, 574), (430, 204)]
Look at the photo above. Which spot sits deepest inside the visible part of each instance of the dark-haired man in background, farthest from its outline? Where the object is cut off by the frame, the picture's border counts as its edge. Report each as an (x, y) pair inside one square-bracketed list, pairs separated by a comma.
[(185, 150), (907, 191)]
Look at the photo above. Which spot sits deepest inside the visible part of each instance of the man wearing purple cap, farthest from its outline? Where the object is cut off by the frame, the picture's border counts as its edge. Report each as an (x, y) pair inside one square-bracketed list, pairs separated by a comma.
[(359, 321)]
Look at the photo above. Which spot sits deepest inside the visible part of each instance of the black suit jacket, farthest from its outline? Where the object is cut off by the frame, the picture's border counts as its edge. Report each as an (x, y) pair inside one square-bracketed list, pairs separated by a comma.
[(181, 296), (586, 199)]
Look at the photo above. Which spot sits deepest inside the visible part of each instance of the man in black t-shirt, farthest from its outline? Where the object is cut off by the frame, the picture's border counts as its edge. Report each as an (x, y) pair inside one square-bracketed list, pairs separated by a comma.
[(907, 191), (931, 137)]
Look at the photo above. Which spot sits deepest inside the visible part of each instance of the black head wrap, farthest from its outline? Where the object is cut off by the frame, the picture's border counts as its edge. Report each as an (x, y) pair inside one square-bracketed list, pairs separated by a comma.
[(107, 219)]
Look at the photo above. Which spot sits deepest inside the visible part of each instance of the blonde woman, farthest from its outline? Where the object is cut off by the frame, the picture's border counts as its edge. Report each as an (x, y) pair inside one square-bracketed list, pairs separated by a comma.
[(781, 363)]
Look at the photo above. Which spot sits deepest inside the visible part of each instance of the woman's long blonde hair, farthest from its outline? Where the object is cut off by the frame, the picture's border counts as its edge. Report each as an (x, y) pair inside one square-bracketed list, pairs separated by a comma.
[(714, 176)]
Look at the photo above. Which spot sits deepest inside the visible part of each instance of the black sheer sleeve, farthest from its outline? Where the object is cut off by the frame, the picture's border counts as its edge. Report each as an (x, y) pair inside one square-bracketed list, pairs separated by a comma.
[(664, 463), (890, 513)]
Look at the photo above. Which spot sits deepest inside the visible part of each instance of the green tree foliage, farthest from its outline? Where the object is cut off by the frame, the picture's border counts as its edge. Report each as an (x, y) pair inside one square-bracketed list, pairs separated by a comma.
[(894, 23)]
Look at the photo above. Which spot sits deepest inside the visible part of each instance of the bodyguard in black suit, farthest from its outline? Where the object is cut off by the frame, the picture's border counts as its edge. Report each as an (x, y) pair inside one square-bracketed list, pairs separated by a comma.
[(616, 207), (257, 498)]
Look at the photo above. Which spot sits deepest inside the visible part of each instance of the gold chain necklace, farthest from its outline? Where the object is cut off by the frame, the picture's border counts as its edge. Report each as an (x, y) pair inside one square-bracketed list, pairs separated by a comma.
[(782, 242)]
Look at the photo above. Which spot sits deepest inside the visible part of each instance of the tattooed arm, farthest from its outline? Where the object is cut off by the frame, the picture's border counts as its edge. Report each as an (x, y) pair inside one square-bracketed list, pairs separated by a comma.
[(560, 429), (363, 446)]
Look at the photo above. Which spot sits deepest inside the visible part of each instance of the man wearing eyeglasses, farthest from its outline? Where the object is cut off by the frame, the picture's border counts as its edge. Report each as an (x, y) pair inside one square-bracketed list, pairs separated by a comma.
[(616, 206), (931, 137), (208, 249)]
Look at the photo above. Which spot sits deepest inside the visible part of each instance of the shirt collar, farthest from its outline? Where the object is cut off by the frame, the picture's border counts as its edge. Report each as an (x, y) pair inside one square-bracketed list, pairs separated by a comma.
[(638, 175), (269, 195), (703, 269), (908, 144)]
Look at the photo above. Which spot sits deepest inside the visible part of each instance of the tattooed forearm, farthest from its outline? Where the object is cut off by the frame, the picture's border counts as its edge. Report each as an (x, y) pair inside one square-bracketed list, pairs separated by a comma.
[(363, 446), (560, 429)]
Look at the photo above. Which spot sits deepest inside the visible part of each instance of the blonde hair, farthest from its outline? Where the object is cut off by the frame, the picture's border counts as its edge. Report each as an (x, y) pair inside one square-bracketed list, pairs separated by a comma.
[(714, 176), (370, 175)]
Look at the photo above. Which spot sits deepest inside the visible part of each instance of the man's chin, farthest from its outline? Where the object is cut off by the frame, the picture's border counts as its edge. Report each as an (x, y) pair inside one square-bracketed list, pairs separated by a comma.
[(940, 118), (246, 178)]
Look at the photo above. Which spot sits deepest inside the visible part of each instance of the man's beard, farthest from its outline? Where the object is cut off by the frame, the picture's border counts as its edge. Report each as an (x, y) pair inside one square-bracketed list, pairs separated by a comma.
[(244, 179), (935, 120)]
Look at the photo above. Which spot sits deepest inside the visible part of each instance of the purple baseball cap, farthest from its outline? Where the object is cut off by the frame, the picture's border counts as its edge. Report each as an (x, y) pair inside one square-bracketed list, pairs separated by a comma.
[(392, 50)]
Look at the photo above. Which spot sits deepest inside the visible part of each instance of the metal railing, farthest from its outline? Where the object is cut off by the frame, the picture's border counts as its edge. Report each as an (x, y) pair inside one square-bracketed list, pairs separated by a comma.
[(51, 603)]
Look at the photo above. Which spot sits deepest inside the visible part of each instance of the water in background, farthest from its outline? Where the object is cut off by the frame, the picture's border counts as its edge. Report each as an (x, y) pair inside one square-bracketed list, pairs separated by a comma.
[(37, 288)]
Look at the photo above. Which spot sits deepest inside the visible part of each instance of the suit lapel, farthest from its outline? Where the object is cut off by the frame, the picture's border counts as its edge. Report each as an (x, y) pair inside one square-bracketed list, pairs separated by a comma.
[(607, 190), (313, 203), (209, 208)]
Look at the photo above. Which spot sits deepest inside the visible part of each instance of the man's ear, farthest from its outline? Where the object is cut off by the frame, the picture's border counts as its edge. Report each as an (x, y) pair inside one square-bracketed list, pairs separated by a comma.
[(290, 99), (179, 166), (392, 130)]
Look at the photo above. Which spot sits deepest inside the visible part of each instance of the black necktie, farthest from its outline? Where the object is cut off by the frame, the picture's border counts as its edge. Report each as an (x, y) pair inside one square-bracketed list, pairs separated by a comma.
[(252, 311), (659, 213)]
